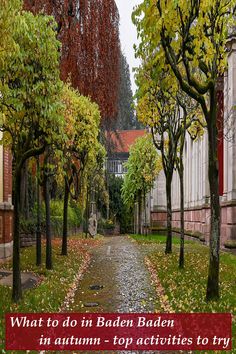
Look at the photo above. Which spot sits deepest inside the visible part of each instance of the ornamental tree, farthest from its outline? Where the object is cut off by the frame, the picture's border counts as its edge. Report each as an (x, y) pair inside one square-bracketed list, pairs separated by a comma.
[(90, 52), (169, 114), (191, 38), (82, 119), (143, 166), (29, 85), (94, 185)]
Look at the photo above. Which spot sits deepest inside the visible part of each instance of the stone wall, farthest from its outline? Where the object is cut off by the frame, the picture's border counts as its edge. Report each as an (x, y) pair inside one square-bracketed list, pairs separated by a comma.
[(196, 185), (197, 222)]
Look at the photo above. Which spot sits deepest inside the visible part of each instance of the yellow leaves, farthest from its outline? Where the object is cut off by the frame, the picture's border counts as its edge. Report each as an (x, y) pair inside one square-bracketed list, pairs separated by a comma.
[(82, 119), (196, 31), (8, 12), (143, 166)]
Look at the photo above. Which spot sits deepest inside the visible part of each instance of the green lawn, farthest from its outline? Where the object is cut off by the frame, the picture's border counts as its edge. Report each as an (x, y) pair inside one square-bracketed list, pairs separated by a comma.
[(50, 294), (186, 289), (160, 239)]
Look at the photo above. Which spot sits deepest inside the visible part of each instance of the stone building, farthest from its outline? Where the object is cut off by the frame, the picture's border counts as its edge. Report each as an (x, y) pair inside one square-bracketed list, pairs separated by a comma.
[(6, 208), (197, 195)]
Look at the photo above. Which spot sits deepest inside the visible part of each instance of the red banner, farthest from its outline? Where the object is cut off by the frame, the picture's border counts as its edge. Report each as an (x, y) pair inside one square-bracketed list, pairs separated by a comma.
[(74, 331)]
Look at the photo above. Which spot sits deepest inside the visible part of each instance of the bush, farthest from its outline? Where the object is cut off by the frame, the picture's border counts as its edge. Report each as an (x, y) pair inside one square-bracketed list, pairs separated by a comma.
[(27, 227), (118, 210), (56, 208), (74, 216), (105, 225)]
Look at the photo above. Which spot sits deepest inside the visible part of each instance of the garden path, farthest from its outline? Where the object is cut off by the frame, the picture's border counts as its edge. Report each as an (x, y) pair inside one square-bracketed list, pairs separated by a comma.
[(117, 280)]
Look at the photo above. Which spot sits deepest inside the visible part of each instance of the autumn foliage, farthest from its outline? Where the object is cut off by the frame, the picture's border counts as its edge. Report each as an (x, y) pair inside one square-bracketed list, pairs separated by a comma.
[(89, 33)]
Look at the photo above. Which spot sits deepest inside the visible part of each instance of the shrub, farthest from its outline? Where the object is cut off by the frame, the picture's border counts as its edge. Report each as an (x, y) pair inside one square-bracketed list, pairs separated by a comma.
[(231, 244), (27, 226), (104, 225), (56, 208)]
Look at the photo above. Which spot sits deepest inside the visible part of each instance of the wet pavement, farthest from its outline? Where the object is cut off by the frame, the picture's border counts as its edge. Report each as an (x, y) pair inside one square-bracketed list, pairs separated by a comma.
[(116, 281)]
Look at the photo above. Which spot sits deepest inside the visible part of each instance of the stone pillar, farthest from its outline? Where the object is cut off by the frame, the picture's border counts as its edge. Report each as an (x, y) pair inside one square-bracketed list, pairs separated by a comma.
[(6, 208), (230, 119), (228, 211), (1, 170), (226, 132)]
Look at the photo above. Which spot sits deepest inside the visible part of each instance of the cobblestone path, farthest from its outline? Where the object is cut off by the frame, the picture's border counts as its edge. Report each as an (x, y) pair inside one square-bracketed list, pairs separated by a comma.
[(116, 281)]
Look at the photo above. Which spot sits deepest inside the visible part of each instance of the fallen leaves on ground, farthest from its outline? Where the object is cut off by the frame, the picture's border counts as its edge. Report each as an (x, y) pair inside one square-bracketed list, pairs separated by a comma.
[(185, 290), (56, 287)]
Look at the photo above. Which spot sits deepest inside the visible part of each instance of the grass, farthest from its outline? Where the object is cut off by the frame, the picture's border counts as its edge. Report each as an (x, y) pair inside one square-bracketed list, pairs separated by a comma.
[(49, 295), (186, 289), (160, 239)]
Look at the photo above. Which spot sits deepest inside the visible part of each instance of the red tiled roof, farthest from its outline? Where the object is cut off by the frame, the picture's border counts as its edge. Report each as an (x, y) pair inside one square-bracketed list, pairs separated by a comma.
[(123, 139)]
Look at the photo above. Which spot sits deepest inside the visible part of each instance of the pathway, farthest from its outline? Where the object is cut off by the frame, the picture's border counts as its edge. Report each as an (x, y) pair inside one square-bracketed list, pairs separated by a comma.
[(116, 281)]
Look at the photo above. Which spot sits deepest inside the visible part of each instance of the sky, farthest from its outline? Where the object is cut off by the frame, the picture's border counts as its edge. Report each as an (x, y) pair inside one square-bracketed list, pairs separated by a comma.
[(128, 35)]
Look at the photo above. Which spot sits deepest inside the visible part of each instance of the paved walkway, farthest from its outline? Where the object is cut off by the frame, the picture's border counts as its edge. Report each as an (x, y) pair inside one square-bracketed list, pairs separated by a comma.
[(116, 281)]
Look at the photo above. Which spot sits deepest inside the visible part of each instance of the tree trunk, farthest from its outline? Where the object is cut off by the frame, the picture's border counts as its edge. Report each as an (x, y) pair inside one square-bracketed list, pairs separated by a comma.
[(181, 179), (38, 231), (24, 191), (65, 219), (27, 212), (87, 213), (17, 289), (214, 262), (134, 220), (145, 213), (140, 213), (48, 224), (169, 216)]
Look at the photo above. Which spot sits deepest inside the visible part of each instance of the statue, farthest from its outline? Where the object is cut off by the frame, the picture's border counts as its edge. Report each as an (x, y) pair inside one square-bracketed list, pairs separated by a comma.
[(92, 228)]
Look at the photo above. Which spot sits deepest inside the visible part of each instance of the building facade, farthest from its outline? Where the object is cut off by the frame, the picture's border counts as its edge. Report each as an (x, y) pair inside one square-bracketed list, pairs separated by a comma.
[(6, 208), (118, 154), (197, 194)]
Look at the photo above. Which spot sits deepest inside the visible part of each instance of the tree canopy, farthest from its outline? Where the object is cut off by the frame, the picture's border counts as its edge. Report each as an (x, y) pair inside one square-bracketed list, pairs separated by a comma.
[(126, 118), (143, 166), (30, 87), (90, 53), (30, 109), (190, 37)]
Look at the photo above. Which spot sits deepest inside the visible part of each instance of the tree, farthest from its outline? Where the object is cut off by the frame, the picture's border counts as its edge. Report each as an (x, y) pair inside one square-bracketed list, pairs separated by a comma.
[(118, 211), (47, 174), (29, 85), (38, 226), (125, 118), (166, 127), (82, 118), (8, 12), (158, 110), (191, 123), (169, 114), (95, 183), (191, 38), (90, 53), (143, 166)]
